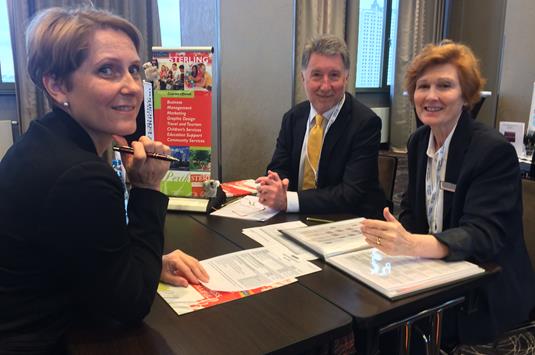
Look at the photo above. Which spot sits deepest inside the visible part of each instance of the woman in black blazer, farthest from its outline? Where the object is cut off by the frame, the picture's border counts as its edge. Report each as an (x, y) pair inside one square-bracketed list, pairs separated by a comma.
[(464, 199), (66, 251)]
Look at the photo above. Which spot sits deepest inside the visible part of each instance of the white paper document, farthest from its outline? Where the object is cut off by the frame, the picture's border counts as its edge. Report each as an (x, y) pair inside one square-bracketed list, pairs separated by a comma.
[(271, 237), (395, 276), (247, 208), (252, 268), (187, 204), (330, 239)]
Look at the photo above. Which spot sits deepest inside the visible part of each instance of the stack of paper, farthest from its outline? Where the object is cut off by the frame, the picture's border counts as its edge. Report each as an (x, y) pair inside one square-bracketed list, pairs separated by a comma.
[(247, 208), (237, 275)]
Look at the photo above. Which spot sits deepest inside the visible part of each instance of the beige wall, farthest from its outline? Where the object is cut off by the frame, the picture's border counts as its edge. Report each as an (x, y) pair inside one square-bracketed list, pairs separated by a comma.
[(256, 82), (479, 24), (518, 65), (256, 76)]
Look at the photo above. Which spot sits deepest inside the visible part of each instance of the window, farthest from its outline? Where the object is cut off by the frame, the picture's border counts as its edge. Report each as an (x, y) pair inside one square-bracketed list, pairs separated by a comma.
[(378, 21), (7, 71), (169, 12)]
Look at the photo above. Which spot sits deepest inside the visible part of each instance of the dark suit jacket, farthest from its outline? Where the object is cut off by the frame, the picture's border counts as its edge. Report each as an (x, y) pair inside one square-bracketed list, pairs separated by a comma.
[(482, 222), (347, 180), (65, 248)]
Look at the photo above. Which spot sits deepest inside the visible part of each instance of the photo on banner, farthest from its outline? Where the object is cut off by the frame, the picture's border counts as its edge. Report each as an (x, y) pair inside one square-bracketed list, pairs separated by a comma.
[(178, 113)]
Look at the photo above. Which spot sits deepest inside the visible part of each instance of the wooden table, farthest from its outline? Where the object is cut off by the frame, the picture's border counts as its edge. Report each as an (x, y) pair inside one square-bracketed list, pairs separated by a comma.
[(372, 313), (290, 319)]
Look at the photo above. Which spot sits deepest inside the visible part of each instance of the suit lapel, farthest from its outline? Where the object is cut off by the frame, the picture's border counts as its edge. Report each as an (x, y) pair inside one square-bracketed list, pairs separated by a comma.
[(458, 146), (421, 166), (299, 131), (336, 131)]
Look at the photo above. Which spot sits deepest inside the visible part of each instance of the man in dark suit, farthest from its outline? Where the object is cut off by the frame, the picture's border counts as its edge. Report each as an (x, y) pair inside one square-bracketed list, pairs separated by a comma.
[(325, 160)]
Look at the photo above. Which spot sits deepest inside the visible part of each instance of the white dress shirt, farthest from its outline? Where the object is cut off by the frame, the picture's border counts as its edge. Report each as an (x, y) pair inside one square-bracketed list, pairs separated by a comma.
[(329, 116), (435, 174)]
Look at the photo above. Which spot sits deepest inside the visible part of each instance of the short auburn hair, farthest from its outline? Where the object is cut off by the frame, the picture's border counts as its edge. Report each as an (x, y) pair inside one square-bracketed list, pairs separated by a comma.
[(448, 52), (57, 40)]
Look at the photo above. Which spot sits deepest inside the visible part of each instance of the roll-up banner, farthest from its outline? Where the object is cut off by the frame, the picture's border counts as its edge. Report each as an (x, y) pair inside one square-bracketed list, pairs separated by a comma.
[(178, 113), (531, 122)]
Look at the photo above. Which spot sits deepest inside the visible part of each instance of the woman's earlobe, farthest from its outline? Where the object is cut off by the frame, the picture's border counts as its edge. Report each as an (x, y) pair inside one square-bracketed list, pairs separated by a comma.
[(54, 88)]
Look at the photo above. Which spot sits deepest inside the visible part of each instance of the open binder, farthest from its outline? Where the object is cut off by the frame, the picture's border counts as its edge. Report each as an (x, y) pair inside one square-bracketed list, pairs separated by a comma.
[(342, 245)]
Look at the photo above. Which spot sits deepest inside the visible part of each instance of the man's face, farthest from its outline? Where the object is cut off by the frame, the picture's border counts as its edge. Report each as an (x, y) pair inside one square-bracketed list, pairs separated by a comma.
[(324, 80)]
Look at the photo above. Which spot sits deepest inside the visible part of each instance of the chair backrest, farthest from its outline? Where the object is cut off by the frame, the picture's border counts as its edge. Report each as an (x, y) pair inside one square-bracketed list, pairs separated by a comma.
[(6, 137), (387, 175), (528, 197)]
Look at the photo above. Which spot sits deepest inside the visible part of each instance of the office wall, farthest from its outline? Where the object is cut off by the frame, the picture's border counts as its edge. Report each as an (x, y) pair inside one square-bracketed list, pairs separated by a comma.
[(518, 66), (256, 60), (256, 81), (480, 24)]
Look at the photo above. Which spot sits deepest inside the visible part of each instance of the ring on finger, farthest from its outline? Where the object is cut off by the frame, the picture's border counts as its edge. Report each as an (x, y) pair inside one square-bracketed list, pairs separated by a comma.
[(378, 241)]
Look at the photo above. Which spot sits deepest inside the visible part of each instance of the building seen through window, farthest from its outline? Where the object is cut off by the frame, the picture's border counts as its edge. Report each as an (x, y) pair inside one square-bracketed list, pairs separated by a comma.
[(378, 21), (169, 12), (7, 70)]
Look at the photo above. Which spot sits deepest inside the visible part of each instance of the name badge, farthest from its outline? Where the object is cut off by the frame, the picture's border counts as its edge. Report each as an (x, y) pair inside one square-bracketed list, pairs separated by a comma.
[(447, 186)]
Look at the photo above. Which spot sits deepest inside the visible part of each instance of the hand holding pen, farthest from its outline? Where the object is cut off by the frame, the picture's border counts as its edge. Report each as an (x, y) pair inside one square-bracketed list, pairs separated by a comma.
[(146, 161), (130, 150)]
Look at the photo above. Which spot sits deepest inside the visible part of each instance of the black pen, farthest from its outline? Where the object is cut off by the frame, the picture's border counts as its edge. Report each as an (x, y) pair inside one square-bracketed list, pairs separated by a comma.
[(318, 220), (130, 150)]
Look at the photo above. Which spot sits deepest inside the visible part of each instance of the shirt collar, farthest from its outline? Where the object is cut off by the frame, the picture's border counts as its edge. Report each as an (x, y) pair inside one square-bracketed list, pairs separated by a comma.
[(431, 151), (329, 113)]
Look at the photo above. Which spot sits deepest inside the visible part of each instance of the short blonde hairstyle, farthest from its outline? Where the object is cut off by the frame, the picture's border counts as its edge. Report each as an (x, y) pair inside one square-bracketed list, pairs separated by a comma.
[(57, 40), (448, 52)]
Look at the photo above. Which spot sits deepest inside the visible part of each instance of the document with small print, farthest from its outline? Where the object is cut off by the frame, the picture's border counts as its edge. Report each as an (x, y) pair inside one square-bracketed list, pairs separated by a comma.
[(330, 239), (270, 237), (247, 208), (253, 268), (397, 276)]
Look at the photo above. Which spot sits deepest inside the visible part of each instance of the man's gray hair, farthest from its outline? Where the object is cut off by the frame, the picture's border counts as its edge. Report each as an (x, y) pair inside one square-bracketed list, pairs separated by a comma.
[(328, 45)]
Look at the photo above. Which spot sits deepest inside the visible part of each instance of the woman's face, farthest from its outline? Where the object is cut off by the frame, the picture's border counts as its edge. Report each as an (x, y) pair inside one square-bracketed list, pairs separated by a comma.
[(105, 94), (438, 97)]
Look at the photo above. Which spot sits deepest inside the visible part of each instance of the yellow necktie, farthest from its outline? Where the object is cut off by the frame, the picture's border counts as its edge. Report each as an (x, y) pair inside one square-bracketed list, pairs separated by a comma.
[(315, 141)]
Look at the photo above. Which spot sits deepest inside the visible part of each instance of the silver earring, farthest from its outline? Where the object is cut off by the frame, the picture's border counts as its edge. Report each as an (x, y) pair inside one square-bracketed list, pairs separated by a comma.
[(66, 104)]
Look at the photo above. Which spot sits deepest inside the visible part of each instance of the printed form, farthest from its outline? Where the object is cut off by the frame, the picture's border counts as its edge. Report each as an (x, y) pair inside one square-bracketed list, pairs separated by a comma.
[(252, 268), (247, 208), (271, 237)]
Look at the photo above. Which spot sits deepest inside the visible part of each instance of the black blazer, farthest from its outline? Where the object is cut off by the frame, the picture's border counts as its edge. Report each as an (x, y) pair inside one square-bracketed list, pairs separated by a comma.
[(482, 222), (347, 180), (65, 248)]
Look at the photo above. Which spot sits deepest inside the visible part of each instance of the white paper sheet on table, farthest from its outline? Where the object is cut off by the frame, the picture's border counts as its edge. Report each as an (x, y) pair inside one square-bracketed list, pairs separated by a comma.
[(252, 268), (270, 237), (247, 208)]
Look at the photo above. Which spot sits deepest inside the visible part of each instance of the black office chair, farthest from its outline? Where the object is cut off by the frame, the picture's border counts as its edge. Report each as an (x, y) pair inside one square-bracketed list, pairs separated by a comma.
[(528, 199), (388, 165)]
